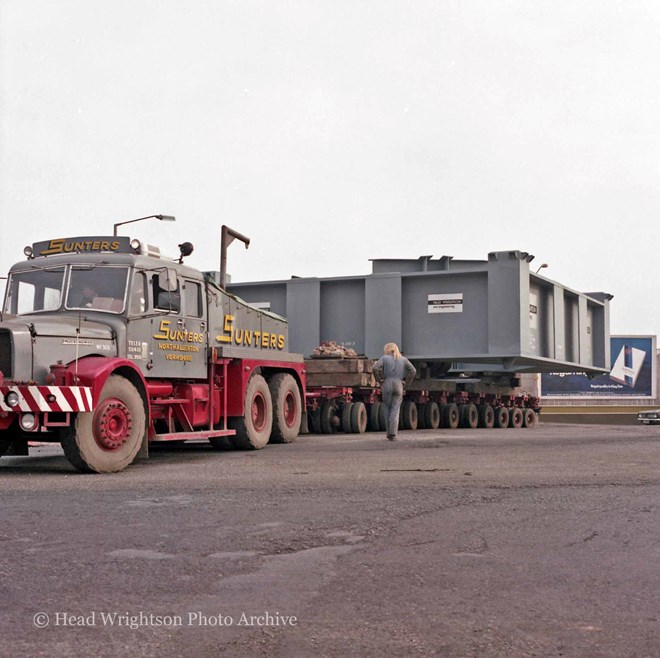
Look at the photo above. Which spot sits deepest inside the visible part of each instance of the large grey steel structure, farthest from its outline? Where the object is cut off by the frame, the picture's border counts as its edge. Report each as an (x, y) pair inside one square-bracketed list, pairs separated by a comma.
[(492, 315)]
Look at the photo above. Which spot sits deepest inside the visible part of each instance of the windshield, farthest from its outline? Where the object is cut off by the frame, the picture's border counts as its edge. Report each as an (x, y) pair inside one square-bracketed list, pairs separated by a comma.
[(101, 288)]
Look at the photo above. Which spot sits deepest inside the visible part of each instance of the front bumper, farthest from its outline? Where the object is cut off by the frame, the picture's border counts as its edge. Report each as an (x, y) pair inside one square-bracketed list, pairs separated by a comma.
[(651, 417)]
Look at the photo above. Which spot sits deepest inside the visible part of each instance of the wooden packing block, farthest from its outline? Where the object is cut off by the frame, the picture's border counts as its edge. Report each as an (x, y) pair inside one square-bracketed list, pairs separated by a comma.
[(341, 379), (326, 366)]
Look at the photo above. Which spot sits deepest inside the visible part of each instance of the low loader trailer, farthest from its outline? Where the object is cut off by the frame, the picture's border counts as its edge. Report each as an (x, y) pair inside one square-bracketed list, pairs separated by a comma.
[(343, 396)]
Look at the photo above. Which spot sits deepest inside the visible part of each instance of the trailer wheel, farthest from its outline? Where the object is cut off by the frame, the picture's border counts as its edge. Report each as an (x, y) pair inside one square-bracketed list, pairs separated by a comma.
[(486, 416), (515, 417), (314, 420), (382, 417), (287, 408), (469, 416), (358, 418), (346, 410), (328, 418), (529, 418), (254, 428), (450, 415), (501, 417), (374, 417), (409, 415), (431, 415), (107, 439)]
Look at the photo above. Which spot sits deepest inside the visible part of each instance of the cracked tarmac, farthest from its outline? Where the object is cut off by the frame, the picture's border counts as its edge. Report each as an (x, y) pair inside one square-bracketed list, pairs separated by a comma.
[(508, 542)]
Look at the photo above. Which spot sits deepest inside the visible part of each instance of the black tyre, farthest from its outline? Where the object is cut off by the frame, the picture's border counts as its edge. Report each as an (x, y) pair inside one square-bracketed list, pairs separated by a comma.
[(501, 417), (287, 408), (346, 411), (409, 415), (529, 418), (5, 442), (431, 415), (359, 418), (304, 423), (222, 442), (328, 418), (382, 417), (450, 416), (109, 438), (374, 417), (515, 417), (314, 420), (469, 416), (254, 428), (486, 416)]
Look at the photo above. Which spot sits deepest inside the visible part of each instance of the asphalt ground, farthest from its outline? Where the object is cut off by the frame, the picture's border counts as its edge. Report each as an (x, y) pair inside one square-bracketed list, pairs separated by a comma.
[(540, 542)]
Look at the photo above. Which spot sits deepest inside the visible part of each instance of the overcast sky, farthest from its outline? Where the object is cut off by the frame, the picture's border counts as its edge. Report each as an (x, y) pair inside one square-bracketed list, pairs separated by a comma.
[(335, 131)]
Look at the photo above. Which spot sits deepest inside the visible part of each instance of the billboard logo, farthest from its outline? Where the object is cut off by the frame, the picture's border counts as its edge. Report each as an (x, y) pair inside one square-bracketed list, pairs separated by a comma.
[(628, 365)]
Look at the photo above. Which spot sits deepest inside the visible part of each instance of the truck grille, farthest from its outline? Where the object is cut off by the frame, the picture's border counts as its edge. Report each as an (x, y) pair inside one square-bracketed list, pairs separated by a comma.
[(6, 353)]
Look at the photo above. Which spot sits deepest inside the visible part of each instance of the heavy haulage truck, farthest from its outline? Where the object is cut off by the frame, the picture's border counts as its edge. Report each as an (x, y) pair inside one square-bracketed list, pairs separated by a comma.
[(105, 346)]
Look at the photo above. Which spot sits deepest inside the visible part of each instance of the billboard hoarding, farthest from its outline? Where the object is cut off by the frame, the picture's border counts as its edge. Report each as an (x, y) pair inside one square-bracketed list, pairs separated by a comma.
[(632, 374)]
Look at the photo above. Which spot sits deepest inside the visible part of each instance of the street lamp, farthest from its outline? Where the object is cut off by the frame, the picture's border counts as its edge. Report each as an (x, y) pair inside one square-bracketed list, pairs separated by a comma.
[(163, 218), (542, 266)]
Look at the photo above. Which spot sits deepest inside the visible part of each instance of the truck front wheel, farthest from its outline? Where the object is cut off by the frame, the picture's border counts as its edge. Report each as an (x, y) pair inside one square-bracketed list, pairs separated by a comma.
[(107, 439)]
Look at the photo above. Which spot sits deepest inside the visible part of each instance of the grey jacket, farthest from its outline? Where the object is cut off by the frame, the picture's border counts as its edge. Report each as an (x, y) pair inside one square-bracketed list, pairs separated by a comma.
[(387, 367)]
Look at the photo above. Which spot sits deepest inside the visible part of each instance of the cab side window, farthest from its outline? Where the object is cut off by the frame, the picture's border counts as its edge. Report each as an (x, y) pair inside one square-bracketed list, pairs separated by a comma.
[(192, 293), (139, 294), (166, 300)]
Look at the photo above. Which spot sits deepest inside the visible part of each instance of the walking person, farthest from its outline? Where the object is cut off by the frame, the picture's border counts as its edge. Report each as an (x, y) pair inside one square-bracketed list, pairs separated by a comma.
[(392, 369)]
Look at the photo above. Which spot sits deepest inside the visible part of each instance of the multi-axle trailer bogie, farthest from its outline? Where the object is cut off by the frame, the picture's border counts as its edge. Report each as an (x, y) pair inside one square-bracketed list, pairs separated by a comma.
[(356, 410)]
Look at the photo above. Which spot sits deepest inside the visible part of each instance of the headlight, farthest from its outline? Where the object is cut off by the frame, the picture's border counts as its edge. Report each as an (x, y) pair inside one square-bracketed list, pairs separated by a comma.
[(12, 399), (28, 422)]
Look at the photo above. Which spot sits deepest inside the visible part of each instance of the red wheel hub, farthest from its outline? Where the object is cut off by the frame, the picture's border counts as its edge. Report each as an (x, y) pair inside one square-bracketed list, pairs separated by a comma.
[(112, 424), (290, 409), (258, 412)]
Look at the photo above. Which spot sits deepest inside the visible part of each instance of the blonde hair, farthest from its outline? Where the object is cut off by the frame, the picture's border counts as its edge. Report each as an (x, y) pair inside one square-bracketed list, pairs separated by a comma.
[(393, 349)]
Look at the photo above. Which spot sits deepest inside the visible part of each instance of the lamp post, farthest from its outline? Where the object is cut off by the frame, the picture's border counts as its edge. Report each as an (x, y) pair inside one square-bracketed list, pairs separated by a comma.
[(163, 218), (542, 266)]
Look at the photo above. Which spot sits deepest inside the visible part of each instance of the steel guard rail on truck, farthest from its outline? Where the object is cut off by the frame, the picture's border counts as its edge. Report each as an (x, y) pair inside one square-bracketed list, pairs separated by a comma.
[(47, 398)]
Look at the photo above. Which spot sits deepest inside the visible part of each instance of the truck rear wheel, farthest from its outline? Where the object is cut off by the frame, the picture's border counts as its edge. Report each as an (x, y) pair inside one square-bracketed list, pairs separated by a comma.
[(287, 408), (254, 428), (107, 439)]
